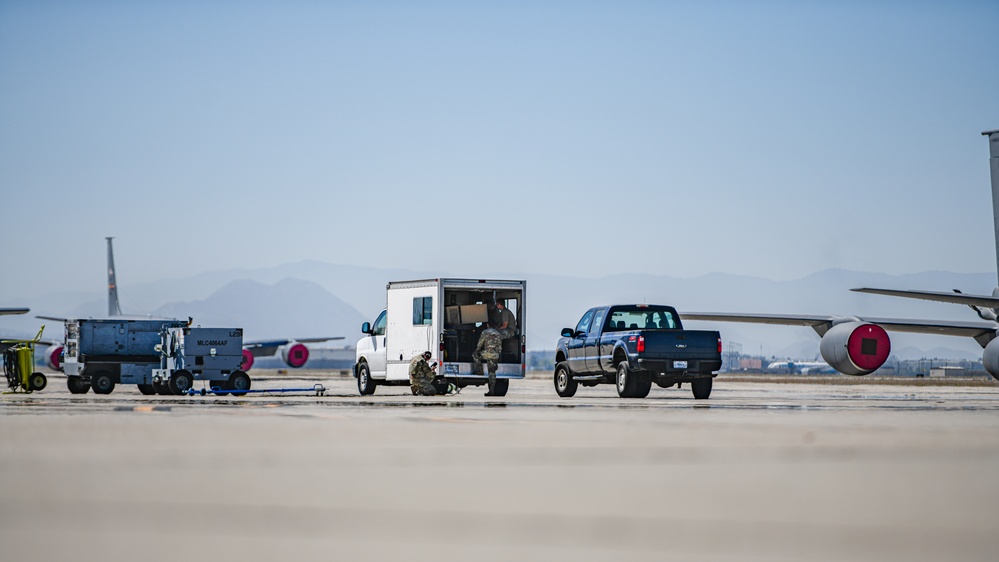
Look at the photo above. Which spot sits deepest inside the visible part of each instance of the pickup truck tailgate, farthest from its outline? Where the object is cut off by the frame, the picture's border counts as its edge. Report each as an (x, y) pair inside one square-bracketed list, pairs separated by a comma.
[(686, 350)]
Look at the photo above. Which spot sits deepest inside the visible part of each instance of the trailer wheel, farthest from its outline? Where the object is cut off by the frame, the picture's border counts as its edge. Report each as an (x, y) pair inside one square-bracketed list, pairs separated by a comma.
[(365, 384), (627, 386), (565, 385), (102, 383), (37, 381), (498, 388), (701, 388), (181, 382), (77, 385), (147, 389), (239, 381)]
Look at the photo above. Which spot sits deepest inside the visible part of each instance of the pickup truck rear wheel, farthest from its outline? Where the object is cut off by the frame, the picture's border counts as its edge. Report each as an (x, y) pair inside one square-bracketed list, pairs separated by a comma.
[(642, 386), (626, 382), (365, 384), (701, 388), (565, 386)]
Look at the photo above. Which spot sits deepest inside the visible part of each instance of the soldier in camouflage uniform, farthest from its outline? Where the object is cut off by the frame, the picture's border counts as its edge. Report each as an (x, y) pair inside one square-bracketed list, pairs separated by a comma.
[(488, 349), (421, 376)]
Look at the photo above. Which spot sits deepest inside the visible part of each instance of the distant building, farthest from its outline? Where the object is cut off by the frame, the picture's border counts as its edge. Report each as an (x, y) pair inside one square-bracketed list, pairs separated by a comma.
[(947, 371)]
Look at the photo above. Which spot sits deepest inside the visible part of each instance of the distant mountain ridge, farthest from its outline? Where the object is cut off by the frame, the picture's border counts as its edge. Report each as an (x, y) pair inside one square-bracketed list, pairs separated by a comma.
[(554, 301), (290, 308)]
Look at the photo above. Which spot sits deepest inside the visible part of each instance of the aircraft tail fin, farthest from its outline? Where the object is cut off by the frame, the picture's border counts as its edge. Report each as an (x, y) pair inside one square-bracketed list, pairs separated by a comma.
[(114, 308)]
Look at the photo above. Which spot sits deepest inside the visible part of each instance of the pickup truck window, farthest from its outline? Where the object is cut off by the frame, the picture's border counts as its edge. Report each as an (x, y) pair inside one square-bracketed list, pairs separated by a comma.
[(641, 319), (584, 322)]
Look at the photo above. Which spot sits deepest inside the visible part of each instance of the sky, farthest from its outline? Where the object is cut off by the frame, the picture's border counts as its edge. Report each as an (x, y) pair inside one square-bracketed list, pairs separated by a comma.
[(771, 139)]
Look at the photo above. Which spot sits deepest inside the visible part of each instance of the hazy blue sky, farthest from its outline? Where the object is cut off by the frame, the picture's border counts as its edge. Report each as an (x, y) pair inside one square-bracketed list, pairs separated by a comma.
[(766, 138)]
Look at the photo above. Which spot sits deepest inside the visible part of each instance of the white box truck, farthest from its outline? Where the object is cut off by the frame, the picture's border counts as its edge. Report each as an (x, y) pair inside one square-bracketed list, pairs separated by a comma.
[(446, 318)]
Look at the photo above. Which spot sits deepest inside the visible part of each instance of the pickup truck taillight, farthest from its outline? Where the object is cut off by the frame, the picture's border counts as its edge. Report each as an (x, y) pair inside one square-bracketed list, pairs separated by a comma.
[(640, 346), (719, 345)]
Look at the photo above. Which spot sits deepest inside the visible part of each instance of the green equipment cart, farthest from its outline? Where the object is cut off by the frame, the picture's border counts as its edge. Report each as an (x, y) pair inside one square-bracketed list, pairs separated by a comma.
[(19, 366)]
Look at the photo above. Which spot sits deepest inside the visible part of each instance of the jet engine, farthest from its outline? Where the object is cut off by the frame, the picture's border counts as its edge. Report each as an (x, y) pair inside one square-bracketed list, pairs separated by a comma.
[(53, 357), (247, 360), (859, 348), (990, 358), (295, 354)]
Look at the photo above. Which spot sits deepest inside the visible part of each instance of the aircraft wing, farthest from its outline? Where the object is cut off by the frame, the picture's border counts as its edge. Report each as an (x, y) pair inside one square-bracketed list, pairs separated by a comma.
[(784, 320), (269, 347), (13, 311), (977, 330), (956, 298)]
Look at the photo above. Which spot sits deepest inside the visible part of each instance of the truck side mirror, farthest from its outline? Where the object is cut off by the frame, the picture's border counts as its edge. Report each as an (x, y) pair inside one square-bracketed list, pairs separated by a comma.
[(568, 333), (366, 328)]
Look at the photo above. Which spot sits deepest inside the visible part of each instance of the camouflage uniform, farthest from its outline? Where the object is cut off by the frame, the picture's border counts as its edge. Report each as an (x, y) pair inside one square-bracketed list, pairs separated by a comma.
[(511, 323), (421, 377), (488, 349)]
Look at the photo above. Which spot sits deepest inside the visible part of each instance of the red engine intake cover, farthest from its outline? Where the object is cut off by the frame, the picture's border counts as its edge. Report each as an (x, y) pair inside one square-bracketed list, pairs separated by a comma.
[(53, 356), (247, 360), (296, 355), (869, 346)]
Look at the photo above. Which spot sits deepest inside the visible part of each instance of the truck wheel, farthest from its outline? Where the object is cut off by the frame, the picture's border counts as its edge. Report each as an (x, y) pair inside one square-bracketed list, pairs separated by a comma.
[(102, 383), (37, 381), (626, 387), (565, 386), (642, 387), (239, 381), (181, 382), (147, 389), (498, 388), (161, 389), (365, 384), (701, 388), (77, 385)]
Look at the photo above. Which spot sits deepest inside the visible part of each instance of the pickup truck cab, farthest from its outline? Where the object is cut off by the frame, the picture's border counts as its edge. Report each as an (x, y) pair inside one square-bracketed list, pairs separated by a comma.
[(633, 346)]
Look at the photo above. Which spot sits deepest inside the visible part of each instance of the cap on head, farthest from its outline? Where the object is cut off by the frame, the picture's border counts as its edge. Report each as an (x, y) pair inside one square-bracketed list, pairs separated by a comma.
[(426, 355)]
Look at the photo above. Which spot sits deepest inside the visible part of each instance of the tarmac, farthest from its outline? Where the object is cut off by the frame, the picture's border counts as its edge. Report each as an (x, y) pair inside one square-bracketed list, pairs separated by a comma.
[(760, 471)]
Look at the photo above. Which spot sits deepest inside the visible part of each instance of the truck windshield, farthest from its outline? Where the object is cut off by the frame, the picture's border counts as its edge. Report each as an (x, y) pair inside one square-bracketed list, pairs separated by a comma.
[(641, 319)]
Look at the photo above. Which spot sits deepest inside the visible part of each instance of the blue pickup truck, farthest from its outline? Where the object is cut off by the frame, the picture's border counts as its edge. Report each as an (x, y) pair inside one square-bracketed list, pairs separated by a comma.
[(633, 346)]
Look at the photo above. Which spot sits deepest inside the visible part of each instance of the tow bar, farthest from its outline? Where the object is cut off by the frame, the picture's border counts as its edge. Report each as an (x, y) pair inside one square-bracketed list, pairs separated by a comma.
[(319, 389)]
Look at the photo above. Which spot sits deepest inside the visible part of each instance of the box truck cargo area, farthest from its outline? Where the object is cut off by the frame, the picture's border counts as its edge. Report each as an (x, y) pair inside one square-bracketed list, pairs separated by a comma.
[(445, 317)]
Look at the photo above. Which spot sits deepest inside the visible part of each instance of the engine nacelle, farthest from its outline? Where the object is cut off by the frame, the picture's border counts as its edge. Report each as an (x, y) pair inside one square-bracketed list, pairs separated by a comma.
[(295, 354), (857, 348), (247, 360), (990, 358), (53, 357)]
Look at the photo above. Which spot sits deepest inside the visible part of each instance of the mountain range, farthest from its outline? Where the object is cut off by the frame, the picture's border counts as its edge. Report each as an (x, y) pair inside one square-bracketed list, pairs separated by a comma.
[(312, 298)]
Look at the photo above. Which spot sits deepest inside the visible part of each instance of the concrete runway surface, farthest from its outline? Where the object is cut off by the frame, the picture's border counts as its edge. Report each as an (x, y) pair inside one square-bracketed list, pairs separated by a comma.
[(758, 472)]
